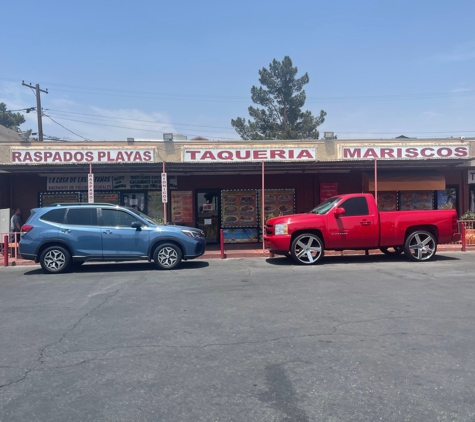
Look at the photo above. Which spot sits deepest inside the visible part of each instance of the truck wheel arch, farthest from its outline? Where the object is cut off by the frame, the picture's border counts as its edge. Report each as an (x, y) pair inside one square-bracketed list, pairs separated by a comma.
[(428, 228), (312, 231)]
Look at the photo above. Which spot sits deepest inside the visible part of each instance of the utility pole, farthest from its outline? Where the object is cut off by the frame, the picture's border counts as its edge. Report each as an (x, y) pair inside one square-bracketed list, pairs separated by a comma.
[(38, 107)]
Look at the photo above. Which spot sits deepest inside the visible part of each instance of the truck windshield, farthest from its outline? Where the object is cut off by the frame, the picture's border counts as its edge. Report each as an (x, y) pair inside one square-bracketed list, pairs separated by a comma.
[(326, 205)]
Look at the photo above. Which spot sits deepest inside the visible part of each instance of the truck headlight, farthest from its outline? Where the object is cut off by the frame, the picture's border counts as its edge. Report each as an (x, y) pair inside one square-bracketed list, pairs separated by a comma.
[(281, 229)]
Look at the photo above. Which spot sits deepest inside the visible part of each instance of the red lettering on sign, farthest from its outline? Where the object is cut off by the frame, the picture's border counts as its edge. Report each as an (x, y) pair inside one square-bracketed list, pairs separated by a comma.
[(225, 155), (47, 155), (57, 157), (89, 156), (461, 152), (138, 156), (78, 156), (259, 154), (208, 155), (247, 155), (371, 153), (387, 153), (193, 154), (348, 153), (399, 152), (38, 157), (277, 153), (119, 156), (305, 153), (147, 156), (101, 155), (444, 152), (411, 152), (129, 154), (425, 154), (68, 156), (16, 157)]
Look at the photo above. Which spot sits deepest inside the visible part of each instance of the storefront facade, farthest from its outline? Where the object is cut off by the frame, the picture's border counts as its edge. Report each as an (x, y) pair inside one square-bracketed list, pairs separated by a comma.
[(214, 185)]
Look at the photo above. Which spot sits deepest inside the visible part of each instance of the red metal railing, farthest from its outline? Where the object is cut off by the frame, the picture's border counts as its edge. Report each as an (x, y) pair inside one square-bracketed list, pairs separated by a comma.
[(9, 247)]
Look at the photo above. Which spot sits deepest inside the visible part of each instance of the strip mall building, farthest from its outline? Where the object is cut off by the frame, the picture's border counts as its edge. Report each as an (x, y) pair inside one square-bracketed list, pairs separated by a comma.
[(214, 185)]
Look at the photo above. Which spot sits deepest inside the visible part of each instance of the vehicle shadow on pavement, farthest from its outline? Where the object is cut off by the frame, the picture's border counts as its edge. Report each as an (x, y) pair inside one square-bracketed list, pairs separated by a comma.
[(353, 259), (93, 267)]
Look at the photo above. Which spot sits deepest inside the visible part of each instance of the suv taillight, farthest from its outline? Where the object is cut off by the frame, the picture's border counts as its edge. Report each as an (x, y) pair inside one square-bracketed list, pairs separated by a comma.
[(26, 228)]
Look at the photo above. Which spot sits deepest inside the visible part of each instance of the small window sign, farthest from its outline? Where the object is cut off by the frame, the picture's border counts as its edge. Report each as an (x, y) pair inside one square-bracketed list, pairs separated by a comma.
[(208, 207)]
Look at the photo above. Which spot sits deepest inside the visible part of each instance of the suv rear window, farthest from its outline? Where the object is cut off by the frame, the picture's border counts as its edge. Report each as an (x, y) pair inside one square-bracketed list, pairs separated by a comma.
[(82, 216), (55, 216)]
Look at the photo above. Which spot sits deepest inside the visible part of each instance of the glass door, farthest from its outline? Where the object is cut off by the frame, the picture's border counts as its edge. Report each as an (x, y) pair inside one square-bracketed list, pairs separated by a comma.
[(207, 208), (134, 200)]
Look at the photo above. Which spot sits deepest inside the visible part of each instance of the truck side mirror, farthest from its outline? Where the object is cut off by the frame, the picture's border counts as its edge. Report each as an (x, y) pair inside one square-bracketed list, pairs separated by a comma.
[(339, 212)]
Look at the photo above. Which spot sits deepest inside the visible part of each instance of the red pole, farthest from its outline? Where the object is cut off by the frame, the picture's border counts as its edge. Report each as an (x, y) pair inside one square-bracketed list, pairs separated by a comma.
[(5, 251), (464, 241), (221, 243), (164, 204), (376, 181), (262, 209)]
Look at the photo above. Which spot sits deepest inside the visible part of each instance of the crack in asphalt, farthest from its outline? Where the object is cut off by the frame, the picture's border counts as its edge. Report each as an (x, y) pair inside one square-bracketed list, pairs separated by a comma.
[(40, 359)]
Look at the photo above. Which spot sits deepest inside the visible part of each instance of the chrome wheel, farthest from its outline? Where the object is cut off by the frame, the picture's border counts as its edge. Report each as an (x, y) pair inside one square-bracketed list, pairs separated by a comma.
[(167, 256), (55, 259), (420, 246), (307, 249)]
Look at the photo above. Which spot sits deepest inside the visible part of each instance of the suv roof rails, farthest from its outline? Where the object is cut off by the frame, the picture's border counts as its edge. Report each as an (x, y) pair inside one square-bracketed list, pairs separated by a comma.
[(81, 203)]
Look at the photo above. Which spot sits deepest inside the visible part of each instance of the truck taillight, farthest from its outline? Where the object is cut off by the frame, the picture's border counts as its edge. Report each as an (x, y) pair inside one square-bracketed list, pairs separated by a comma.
[(455, 225), (26, 228)]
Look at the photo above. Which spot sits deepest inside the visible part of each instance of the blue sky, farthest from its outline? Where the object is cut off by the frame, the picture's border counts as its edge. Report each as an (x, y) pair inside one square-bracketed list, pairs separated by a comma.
[(136, 69)]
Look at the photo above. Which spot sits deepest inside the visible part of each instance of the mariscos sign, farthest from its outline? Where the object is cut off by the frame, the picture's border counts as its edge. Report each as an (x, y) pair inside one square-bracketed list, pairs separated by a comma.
[(214, 155), (405, 152), (59, 156)]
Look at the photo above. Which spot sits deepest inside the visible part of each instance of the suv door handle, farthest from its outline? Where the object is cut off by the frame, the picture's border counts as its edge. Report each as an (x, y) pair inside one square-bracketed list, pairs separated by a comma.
[(365, 223), (107, 232), (65, 230)]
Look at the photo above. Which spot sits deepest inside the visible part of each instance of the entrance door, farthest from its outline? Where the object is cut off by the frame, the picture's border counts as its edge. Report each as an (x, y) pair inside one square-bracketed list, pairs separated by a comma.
[(208, 205), (134, 200)]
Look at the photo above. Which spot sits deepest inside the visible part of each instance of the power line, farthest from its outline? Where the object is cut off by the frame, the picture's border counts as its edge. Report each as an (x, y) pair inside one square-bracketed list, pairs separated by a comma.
[(85, 139)]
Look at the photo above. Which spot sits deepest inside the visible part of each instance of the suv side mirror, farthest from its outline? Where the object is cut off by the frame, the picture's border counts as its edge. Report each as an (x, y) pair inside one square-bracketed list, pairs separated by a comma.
[(339, 212), (136, 225)]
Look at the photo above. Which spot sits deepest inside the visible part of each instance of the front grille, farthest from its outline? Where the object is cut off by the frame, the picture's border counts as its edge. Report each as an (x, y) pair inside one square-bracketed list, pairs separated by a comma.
[(199, 249), (269, 229)]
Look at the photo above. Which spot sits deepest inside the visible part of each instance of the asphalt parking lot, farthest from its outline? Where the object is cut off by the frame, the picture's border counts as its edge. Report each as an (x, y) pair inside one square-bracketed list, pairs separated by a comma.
[(359, 338)]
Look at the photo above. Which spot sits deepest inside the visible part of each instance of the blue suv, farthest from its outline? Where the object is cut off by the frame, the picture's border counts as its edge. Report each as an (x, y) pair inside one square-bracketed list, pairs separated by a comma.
[(61, 235)]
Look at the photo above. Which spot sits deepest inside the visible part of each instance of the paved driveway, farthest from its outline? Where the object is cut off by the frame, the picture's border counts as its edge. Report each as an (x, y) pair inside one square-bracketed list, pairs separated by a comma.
[(355, 339)]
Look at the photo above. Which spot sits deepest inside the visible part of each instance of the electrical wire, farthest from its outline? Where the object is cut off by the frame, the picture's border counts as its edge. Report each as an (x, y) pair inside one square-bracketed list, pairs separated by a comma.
[(74, 133)]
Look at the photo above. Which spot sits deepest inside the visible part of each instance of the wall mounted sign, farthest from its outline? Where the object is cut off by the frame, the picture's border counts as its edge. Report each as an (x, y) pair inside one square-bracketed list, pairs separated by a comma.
[(61, 156), (404, 152), (104, 182), (471, 176), (214, 155)]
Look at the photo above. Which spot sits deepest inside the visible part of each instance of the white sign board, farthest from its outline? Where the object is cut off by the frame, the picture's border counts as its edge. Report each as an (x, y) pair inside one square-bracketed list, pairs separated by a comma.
[(164, 188), (84, 156), (404, 152), (90, 188), (236, 155), (471, 176)]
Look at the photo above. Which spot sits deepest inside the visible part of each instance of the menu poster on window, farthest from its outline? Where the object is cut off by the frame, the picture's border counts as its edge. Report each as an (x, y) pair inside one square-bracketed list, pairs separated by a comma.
[(104, 197), (47, 199), (327, 190), (446, 199), (239, 208), (155, 205), (417, 200), (278, 202), (387, 201), (182, 207)]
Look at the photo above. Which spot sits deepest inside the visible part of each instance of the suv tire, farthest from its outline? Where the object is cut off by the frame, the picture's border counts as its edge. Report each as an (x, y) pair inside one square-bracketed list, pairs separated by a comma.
[(55, 259), (167, 256)]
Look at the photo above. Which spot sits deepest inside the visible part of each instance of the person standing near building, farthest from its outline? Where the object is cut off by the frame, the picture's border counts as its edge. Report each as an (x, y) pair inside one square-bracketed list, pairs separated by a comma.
[(15, 224)]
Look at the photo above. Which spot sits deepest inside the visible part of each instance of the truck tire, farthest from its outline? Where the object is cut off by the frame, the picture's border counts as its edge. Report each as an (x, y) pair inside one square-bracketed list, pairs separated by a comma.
[(307, 249), (420, 246), (167, 256), (55, 260), (393, 251)]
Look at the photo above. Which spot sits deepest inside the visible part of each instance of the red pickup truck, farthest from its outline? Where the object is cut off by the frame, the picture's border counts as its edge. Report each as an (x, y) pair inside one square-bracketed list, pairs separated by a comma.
[(354, 222)]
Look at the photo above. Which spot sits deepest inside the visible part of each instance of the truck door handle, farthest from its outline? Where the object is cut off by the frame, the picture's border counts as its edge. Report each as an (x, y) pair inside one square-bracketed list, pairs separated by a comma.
[(107, 232), (365, 223), (66, 231)]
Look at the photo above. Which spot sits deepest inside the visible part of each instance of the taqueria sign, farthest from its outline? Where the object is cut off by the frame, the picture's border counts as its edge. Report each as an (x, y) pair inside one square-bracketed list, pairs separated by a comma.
[(214, 155), (417, 152)]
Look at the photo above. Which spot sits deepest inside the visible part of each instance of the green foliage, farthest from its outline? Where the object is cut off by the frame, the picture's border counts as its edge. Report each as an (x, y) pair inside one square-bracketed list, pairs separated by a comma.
[(8, 118), (283, 98), (469, 215)]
